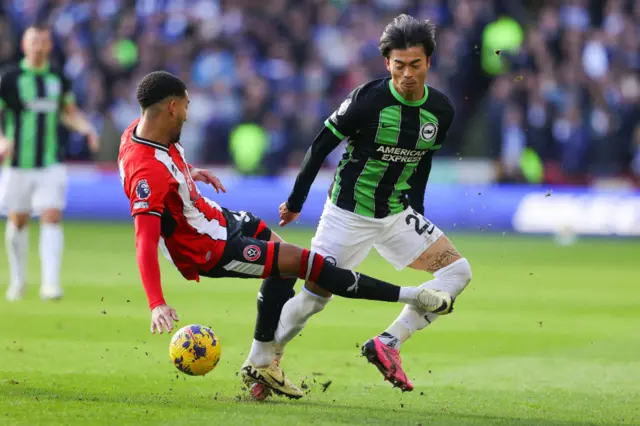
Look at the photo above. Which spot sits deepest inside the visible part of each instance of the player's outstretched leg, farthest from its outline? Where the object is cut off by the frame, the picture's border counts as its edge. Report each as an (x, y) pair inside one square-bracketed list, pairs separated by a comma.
[(17, 245), (452, 274), (312, 267)]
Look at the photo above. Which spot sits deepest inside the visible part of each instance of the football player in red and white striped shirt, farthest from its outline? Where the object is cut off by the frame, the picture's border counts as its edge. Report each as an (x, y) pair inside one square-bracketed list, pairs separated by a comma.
[(203, 239)]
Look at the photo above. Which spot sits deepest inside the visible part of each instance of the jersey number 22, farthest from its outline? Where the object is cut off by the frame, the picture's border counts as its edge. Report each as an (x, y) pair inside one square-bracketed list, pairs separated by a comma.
[(428, 227)]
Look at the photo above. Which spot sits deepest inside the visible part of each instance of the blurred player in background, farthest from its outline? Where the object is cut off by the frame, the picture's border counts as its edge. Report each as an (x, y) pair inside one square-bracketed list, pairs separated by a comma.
[(203, 239), (393, 127), (34, 99)]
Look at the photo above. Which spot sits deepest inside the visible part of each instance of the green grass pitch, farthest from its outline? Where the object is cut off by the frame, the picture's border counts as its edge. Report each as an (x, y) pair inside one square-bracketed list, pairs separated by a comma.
[(543, 335)]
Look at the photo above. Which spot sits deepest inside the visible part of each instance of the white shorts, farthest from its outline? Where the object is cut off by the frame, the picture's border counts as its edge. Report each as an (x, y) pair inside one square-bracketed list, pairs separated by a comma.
[(33, 190), (348, 238)]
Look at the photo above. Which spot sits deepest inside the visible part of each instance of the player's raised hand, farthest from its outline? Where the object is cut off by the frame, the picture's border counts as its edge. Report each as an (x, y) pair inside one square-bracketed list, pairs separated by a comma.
[(162, 317), (206, 176), (286, 216)]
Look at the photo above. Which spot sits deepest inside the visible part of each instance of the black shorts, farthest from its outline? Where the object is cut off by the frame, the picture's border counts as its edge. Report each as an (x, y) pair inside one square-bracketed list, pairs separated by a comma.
[(248, 252)]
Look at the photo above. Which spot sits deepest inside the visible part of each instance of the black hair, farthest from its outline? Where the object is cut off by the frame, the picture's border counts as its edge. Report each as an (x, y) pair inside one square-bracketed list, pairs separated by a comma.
[(157, 86), (406, 31), (39, 26)]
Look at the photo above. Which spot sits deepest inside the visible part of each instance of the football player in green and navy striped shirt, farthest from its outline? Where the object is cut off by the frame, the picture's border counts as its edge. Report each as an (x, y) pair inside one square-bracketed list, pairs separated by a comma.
[(34, 99), (392, 127)]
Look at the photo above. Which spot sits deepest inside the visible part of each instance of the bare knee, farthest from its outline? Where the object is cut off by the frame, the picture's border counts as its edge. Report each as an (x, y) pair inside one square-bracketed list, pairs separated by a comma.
[(51, 216), (19, 220), (310, 286), (440, 254), (289, 258)]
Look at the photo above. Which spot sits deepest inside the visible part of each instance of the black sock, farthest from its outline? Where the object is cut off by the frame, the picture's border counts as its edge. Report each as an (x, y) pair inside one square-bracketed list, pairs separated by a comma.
[(274, 293), (343, 282), (354, 285)]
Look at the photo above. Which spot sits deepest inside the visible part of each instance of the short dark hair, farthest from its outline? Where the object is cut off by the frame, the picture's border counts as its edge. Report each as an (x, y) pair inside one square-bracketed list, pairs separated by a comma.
[(406, 31), (157, 86), (39, 26)]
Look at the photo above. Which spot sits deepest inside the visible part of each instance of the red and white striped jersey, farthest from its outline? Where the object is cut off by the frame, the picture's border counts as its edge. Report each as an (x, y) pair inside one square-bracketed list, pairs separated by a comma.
[(157, 180)]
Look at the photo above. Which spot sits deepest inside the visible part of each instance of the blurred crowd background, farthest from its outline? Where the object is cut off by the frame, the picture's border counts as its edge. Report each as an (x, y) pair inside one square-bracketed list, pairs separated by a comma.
[(553, 83)]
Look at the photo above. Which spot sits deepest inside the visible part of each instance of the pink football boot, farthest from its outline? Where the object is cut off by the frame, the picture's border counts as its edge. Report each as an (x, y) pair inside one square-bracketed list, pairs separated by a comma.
[(388, 361)]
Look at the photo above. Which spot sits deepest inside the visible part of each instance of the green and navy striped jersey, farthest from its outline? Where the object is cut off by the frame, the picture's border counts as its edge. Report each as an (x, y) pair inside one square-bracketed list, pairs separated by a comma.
[(388, 140), (31, 101)]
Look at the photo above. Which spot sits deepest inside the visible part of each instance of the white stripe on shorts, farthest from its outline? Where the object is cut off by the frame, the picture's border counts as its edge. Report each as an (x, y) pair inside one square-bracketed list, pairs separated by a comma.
[(245, 268)]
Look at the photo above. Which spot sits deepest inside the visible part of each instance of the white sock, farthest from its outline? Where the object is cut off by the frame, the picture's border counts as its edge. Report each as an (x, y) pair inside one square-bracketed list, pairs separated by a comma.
[(51, 243), (295, 314), (17, 244), (408, 294), (410, 320), (452, 279), (262, 353)]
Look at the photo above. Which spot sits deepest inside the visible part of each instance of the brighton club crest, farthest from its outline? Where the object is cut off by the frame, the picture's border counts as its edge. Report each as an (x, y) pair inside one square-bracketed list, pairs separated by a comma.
[(428, 131)]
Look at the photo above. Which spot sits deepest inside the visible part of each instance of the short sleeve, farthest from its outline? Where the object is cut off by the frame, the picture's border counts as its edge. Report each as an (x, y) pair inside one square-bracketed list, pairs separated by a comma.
[(345, 120), (147, 189)]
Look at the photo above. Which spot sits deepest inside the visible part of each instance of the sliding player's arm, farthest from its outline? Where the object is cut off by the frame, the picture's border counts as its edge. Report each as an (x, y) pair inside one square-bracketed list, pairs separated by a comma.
[(339, 126), (147, 189), (147, 237), (418, 181), (206, 176)]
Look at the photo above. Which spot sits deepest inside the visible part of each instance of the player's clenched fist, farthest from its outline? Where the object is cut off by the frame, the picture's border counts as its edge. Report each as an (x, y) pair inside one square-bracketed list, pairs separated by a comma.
[(287, 216), (162, 317)]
